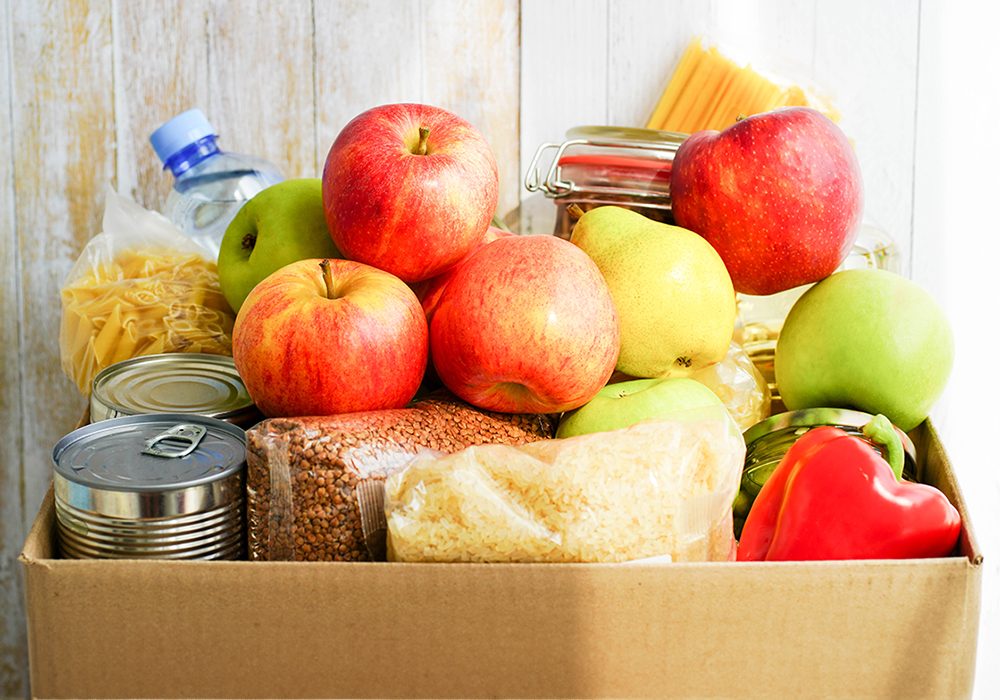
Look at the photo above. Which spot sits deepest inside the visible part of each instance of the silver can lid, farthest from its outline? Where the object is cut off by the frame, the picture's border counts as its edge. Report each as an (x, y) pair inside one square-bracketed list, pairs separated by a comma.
[(197, 383), (151, 453)]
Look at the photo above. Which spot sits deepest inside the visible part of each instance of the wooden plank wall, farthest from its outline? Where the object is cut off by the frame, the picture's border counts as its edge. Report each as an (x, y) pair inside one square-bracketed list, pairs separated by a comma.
[(83, 83)]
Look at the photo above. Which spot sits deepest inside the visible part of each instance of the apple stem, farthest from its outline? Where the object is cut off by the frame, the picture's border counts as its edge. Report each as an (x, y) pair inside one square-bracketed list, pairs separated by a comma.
[(328, 279), (575, 211), (249, 241), (422, 145)]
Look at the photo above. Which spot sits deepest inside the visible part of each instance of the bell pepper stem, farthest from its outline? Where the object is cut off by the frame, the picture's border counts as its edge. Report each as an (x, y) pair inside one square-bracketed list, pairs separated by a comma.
[(879, 430)]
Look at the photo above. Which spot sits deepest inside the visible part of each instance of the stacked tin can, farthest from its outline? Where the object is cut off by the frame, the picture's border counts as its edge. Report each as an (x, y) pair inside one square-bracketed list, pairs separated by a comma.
[(159, 472), (198, 383)]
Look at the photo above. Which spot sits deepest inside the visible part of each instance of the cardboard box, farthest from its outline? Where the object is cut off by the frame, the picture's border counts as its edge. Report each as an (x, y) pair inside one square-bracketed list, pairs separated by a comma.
[(890, 629)]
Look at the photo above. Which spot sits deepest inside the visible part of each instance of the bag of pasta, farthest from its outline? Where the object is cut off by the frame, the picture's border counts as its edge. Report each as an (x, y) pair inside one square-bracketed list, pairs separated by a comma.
[(140, 287)]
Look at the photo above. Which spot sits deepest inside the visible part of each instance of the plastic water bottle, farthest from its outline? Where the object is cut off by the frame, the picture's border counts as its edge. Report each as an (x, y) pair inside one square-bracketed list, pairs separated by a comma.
[(210, 185)]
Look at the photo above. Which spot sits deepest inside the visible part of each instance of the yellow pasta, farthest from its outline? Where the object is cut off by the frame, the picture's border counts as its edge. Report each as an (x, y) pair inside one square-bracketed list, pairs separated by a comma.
[(142, 303), (710, 90)]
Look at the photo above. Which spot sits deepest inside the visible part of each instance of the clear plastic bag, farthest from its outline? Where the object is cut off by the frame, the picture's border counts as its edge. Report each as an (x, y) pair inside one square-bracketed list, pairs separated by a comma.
[(661, 487), (140, 287), (304, 473), (740, 385)]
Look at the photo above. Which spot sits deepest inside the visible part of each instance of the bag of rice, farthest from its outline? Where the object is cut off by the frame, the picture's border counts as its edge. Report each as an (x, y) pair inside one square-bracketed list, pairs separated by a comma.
[(662, 487)]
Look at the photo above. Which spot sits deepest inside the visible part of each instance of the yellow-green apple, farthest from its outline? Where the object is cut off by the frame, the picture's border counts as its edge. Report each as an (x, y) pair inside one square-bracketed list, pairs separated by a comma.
[(526, 325), (865, 339), (624, 403), (676, 303), (279, 225), (778, 194), (320, 336), (429, 291), (409, 189)]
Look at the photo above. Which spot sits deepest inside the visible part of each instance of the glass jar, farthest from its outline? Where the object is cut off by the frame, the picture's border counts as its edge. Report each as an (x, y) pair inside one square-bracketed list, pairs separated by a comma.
[(601, 165)]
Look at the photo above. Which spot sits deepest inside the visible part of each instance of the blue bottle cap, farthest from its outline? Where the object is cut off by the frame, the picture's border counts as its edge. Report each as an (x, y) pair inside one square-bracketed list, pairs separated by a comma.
[(183, 130)]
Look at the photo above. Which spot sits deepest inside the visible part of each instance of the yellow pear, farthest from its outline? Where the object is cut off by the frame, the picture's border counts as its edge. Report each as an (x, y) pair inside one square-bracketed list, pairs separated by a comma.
[(675, 298)]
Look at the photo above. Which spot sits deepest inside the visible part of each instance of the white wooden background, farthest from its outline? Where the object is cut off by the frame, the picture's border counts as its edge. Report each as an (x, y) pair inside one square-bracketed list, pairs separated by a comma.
[(82, 84)]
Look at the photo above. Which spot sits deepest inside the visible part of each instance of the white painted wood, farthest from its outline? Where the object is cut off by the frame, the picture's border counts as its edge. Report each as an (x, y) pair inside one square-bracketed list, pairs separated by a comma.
[(563, 84), (13, 635)]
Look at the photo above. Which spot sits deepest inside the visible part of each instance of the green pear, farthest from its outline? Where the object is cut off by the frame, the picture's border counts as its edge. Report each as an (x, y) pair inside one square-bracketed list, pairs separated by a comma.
[(621, 404), (675, 298), (281, 224), (866, 339)]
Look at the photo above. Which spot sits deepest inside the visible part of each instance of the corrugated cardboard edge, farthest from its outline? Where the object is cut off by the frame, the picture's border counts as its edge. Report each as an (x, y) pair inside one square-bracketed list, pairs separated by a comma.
[(935, 468)]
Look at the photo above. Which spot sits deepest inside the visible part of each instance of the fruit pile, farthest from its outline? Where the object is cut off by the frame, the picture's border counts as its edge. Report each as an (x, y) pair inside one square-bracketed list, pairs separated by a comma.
[(387, 277)]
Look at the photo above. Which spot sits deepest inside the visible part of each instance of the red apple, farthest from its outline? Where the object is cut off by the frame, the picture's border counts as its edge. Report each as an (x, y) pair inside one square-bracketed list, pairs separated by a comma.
[(778, 194), (526, 325), (429, 291), (319, 337), (409, 189)]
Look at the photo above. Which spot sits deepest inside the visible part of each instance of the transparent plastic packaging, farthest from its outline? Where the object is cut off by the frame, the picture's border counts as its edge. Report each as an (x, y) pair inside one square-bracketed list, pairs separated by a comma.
[(139, 288), (662, 488), (740, 386), (304, 473), (210, 185)]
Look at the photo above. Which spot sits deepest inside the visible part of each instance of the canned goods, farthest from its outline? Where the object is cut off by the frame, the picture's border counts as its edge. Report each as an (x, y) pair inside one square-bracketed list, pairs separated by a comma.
[(769, 440), (158, 485), (199, 383)]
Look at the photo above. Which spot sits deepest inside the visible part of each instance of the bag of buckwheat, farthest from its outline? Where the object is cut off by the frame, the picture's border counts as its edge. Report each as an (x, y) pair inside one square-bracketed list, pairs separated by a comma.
[(303, 473), (660, 488)]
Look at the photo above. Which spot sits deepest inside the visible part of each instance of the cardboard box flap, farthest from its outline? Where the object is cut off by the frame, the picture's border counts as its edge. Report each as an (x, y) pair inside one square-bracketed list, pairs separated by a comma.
[(934, 467)]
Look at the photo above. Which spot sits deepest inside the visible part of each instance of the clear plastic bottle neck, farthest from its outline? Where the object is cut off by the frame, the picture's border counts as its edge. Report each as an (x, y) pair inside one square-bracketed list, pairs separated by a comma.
[(191, 155)]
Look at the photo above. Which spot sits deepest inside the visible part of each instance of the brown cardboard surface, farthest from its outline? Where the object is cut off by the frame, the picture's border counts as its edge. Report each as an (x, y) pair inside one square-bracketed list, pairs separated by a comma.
[(282, 629)]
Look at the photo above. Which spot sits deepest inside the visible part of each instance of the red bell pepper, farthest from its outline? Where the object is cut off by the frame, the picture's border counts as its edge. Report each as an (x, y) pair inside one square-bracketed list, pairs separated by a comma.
[(833, 497)]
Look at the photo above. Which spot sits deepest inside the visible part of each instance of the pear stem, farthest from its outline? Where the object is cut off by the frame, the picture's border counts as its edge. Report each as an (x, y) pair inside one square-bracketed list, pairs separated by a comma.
[(575, 211), (328, 279), (422, 144)]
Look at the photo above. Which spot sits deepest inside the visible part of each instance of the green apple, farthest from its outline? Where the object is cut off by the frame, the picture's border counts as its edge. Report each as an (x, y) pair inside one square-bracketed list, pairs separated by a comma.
[(281, 224), (621, 404), (866, 339), (675, 299)]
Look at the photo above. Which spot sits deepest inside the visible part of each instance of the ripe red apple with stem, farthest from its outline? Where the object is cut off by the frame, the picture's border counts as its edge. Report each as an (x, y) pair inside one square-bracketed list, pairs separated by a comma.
[(409, 189), (526, 325), (778, 194), (319, 337)]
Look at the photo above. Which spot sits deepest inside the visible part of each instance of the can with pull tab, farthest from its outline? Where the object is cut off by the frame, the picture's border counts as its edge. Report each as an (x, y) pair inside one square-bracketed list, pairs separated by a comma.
[(158, 485)]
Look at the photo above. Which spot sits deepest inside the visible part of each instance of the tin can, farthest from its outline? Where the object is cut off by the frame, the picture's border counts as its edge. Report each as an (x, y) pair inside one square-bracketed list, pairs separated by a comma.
[(157, 485), (197, 383), (769, 440), (602, 165)]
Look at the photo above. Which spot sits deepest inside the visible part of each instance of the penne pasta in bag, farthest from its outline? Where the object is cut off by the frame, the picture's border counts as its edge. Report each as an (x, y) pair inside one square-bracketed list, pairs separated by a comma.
[(140, 287)]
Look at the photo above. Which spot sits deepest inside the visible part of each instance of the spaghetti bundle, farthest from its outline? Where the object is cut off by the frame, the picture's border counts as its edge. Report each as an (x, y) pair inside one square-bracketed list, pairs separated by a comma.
[(711, 90)]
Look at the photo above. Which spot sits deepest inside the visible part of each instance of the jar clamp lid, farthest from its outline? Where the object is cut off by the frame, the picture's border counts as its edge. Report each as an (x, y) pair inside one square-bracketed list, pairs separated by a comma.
[(647, 149)]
